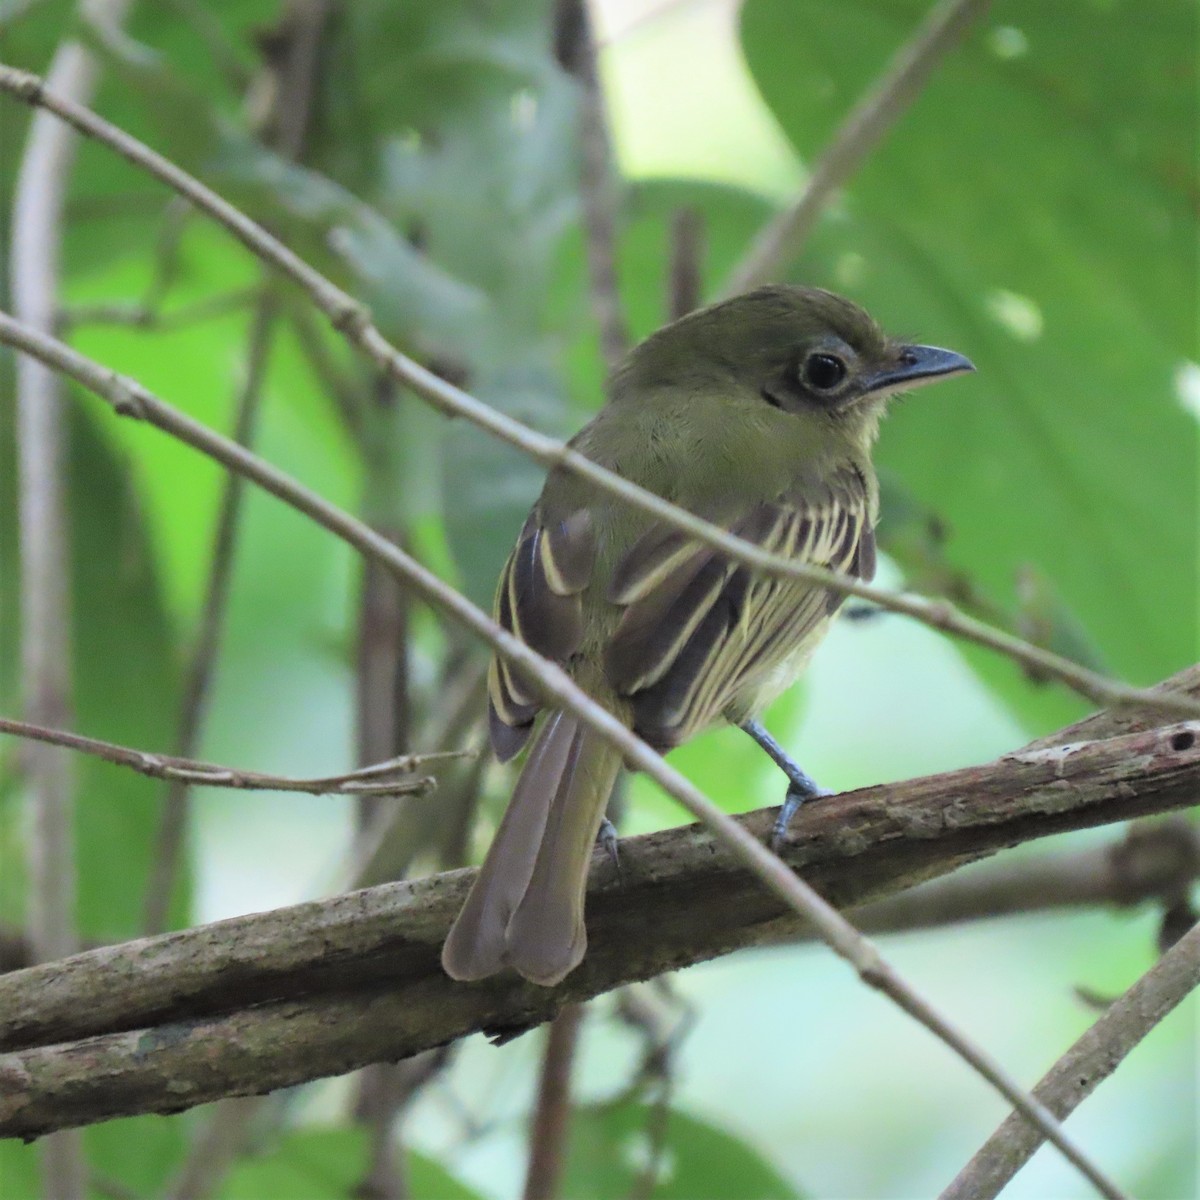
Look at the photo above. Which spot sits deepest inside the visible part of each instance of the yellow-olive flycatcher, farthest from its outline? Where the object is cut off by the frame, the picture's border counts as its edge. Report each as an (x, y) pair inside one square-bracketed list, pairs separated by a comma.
[(759, 414)]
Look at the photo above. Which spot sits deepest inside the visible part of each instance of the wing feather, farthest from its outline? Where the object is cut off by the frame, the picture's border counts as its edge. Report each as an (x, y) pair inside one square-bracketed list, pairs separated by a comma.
[(653, 631), (698, 636), (538, 600), (568, 552), (653, 559), (704, 637)]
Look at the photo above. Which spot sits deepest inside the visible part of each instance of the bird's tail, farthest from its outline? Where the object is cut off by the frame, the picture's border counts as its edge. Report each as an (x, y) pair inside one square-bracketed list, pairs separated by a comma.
[(525, 909)]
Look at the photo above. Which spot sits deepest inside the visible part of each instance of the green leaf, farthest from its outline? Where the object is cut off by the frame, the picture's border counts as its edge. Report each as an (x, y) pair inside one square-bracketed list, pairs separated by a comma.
[(19, 1174), (125, 679), (313, 1164), (429, 1180), (612, 1147), (1032, 210), (310, 1164), (143, 1153)]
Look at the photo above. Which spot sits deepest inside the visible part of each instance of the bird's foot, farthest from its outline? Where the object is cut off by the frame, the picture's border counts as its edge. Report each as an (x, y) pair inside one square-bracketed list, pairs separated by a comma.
[(862, 612), (797, 794), (609, 840), (801, 785)]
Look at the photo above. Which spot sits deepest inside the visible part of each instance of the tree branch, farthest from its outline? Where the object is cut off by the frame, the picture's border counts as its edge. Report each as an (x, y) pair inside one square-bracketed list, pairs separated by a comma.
[(274, 999), (1090, 1061), (867, 124), (353, 321), (383, 712), (685, 274), (1155, 860), (552, 1115)]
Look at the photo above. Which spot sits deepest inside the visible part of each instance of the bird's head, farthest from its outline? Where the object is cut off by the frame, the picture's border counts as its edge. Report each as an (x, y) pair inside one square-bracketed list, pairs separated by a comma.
[(801, 350)]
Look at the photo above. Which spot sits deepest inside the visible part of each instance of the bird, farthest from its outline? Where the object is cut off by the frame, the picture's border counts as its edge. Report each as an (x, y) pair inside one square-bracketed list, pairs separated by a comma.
[(757, 413)]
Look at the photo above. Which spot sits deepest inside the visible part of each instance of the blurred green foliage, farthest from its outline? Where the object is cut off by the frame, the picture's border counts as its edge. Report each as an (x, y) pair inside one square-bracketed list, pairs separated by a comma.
[(1037, 206), (611, 1151), (1035, 209)]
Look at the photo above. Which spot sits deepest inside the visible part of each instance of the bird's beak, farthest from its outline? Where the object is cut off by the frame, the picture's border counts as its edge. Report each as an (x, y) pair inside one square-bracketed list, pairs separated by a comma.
[(915, 365)]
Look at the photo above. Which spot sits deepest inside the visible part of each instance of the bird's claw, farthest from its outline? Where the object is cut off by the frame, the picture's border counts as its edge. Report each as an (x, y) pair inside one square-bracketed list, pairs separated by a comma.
[(610, 841), (797, 794)]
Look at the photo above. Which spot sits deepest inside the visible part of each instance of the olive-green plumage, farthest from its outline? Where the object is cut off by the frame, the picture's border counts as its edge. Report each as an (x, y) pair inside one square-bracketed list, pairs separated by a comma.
[(759, 414)]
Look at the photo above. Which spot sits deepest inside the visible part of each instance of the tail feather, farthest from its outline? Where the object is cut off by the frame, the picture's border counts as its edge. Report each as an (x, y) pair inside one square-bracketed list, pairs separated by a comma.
[(546, 937), (475, 945), (525, 909)]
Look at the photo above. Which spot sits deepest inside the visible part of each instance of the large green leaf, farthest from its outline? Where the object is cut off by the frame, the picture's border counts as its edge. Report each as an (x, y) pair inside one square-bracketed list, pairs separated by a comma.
[(125, 681), (1033, 209), (308, 1165), (612, 1149), (312, 1164)]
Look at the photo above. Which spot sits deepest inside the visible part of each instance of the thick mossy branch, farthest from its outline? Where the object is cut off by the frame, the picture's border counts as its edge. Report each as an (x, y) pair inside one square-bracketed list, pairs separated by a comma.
[(278, 998)]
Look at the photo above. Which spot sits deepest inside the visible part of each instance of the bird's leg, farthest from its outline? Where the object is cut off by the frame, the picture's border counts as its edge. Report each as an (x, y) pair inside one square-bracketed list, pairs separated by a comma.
[(801, 785), (862, 612), (609, 839)]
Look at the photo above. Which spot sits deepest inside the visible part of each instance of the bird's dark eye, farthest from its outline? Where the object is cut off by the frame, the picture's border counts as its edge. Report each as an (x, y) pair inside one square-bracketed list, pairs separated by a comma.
[(823, 371)]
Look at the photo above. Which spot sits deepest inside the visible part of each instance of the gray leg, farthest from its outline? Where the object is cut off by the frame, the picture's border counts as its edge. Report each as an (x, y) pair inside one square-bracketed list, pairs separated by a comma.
[(801, 786), (862, 612), (609, 839)]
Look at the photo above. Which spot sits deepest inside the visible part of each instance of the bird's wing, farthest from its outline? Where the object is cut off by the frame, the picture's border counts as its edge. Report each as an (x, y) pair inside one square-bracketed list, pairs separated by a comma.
[(538, 600), (700, 634)]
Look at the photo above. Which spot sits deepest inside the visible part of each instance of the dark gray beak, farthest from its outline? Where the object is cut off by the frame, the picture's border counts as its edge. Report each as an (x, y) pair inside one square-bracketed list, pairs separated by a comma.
[(916, 365)]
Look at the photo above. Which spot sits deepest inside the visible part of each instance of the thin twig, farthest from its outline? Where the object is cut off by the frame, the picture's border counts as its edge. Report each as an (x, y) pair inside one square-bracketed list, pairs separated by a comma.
[(576, 51), (552, 1115), (1090, 1061), (217, 1144), (383, 721), (43, 177), (868, 122), (656, 1072), (174, 817), (353, 321), (131, 399), (378, 779), (393, 1088), (344, 389), (687, 255), (141, 315)]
